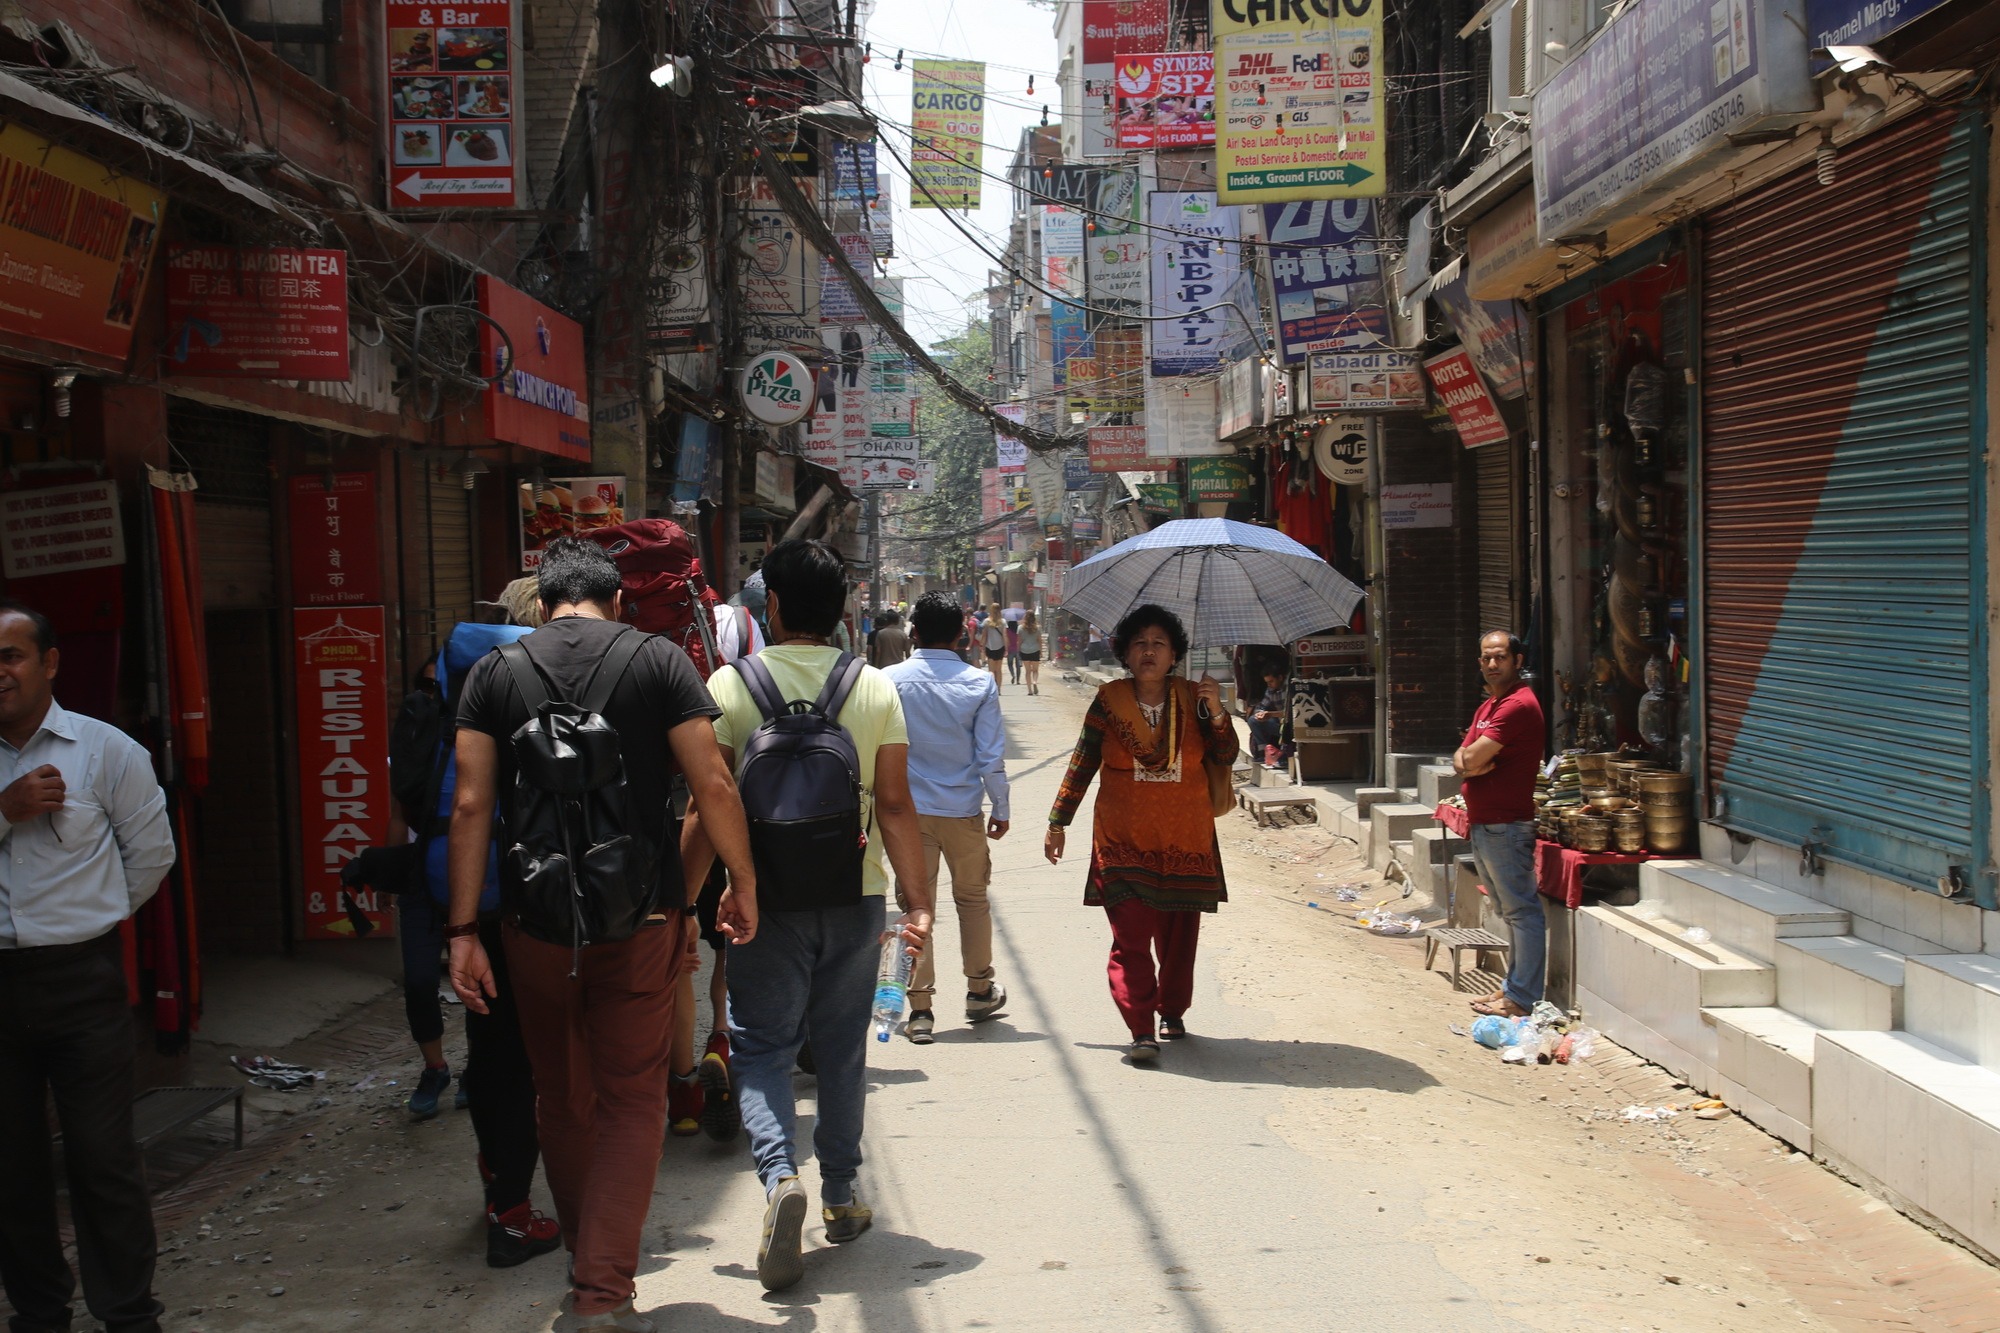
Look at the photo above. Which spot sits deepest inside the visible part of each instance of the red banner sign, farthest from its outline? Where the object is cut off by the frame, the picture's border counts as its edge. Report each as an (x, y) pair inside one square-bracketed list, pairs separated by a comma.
[(336, 545), (1166, 100), (1463, 393), (453, 132), (542, 397), (1121, 449), (342, 679), (257, 313)]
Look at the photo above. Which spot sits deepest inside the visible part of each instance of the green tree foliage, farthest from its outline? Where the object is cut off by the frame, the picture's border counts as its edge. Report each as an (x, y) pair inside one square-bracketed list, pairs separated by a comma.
[(960, 444)]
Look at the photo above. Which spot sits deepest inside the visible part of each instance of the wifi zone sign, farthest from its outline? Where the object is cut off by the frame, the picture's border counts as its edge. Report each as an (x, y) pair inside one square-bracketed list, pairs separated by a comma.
[(776, 388)]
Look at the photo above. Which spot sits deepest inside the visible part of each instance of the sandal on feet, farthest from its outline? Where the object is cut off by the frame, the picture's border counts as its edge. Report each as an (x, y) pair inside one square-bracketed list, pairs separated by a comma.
[(1502, 1008), (1172, 1029), (1143, 1050), (1493, 998)]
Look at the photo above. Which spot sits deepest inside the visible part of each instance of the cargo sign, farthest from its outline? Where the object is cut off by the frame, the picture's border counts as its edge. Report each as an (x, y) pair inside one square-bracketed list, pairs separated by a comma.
[(539, 399), (1463, 394), (258, 313), (60, 529), (948, 118), (1166, 100), (1301, 100), (452, 87), (336, 544), (1365, 381), (341, 679), (1664, 85), (76, 239)]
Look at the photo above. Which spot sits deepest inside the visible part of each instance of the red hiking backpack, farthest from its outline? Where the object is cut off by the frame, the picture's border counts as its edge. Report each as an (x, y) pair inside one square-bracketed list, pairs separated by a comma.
[(665, 592)]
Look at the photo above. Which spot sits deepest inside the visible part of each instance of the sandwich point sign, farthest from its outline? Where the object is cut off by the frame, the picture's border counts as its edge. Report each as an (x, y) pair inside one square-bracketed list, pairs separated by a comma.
[(776, 388)]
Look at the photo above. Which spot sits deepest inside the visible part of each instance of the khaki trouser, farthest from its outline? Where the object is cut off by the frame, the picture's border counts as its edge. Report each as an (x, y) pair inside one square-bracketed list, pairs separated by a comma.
[(962, 846)]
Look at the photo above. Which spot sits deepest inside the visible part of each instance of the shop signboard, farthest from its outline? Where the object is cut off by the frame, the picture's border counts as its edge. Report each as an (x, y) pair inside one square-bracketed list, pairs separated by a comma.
[(1114, 264), (881, 220), (776, 388), (1861, 22), (948, 117), (1462, 393), (1044, 479), (1120, 449), (1197, 258), (1062, 248), (1058, 571), (1664, 86), (1087, 528), (256, 312), (1496, 333), (1069, 339), (60, 529), (690, 460), (779, 281), (1326, 276), (453, 86), (538, 401), (838, 301), (1166, 100), (564, 507), (1217, 480), (1365, 381), (1159, 497), (336, 544), (1077, 473), (76, 239), (1416, 505), (340, 679), (1112, 30), (1501, 251), (1242, 403), (1181, 418), (1009, 450), (1300, 88), (1340, 449), (854, 176)]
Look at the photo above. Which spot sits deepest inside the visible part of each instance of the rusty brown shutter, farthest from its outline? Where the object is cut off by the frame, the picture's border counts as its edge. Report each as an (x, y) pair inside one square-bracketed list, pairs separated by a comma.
[(1842, 695), (1493, 467)]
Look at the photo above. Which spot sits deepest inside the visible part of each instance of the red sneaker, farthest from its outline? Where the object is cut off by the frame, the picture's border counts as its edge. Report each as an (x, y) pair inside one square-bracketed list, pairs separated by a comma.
[(518, 1235), (720, 1117), (684, 1106)]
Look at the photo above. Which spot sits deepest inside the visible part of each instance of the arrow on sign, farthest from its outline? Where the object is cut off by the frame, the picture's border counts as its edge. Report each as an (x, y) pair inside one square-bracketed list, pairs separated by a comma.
[(418, 185), (256, 365)]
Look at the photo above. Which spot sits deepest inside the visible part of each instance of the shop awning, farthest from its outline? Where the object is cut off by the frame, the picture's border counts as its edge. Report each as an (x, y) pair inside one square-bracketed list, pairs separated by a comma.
[(134, 153)]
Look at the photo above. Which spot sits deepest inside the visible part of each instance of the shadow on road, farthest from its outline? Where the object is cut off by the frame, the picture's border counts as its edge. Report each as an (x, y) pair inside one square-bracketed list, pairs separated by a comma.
[(1289, 1064), (990, 1033)]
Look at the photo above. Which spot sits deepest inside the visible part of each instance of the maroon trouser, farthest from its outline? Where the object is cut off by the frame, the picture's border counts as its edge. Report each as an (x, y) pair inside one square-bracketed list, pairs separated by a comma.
[(598, 1045), (1137, 931)]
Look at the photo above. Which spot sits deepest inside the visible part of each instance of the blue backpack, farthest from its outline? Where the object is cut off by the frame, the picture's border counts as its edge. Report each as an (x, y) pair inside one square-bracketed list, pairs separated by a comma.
[(462, 650)]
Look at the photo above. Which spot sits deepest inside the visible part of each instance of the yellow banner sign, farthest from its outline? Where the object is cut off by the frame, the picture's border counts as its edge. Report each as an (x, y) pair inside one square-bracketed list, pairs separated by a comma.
[(1298, 87), (948, 117)]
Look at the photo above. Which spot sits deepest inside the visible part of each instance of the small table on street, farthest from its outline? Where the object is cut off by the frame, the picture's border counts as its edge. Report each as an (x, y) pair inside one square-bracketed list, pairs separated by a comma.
[(1559, 869), (1454, 817)]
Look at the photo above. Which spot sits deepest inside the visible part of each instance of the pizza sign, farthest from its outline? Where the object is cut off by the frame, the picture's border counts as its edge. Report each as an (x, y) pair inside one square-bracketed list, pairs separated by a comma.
[(452, 81)]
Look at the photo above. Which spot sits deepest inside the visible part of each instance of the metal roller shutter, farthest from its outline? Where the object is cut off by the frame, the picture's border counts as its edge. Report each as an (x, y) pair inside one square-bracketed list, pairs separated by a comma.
[(1841, 691), (450, 549), (230, 456), (1493, 466)]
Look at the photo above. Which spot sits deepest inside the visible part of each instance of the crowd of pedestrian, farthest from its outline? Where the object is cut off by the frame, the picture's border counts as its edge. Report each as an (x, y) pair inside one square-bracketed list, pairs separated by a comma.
[(597, 814)]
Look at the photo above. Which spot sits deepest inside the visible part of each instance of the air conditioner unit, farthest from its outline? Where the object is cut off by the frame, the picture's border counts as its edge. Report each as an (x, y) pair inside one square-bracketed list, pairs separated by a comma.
[(1531, 40)]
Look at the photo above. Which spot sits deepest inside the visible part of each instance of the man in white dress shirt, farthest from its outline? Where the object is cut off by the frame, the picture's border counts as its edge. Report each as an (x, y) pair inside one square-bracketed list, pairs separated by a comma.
[(84, 841)]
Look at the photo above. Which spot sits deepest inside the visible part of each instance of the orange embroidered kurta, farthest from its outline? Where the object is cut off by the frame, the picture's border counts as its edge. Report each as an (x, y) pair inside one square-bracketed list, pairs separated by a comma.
[(1154, 834)]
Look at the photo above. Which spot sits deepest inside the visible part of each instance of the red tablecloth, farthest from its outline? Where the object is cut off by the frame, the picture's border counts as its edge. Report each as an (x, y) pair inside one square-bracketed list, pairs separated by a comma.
[(1559, 869), (1456, 818)]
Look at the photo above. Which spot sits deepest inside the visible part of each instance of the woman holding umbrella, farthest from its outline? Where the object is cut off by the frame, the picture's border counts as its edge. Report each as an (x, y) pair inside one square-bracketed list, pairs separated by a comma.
[(1155, 866)]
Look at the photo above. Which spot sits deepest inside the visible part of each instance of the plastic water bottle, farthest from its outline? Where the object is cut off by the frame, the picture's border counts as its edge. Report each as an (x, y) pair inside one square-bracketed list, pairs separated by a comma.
[(892, 983)]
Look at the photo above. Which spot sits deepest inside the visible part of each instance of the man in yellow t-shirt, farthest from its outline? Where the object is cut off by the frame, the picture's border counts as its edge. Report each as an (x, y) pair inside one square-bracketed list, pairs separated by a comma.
[(815, 970)]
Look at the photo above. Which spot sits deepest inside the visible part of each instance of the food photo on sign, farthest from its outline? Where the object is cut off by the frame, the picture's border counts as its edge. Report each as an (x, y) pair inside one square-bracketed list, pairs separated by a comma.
[(565, 507)]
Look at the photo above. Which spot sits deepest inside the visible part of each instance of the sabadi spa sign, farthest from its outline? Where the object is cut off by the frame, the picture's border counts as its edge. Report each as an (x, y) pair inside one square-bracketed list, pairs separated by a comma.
[(539, 400), (775, 388)]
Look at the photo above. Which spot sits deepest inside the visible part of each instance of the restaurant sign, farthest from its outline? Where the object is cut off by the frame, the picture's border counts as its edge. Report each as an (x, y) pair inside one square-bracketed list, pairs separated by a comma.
[(453, 134)]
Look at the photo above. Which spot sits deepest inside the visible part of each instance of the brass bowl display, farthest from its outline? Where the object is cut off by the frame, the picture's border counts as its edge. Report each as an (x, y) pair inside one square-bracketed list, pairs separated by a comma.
[(1592, 834), (1629, 839), (1668, 833), (1665, 784), (1611, 805)]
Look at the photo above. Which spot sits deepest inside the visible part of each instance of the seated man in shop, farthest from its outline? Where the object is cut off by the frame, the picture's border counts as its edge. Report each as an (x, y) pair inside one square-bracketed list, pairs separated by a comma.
[(1267, 720)]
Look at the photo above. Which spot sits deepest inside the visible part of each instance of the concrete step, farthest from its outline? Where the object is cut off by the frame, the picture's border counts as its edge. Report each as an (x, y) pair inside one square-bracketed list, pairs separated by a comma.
[(1402, 768), (1646, 986), (1436, 845), (1396, 821), (1915, 1123), (1271, 777), (1953, 1001), (1765, 1058), (1409, 797), (1435, 783), (1367, 798), (1841, 982), (1746, 914)]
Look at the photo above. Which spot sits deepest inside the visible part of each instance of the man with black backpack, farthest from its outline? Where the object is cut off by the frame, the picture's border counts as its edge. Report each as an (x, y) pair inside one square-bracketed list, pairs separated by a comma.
[(822, 757), (575, 733)]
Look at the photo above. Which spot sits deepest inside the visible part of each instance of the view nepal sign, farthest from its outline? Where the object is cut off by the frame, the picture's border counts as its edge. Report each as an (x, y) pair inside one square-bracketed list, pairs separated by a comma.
[(776, 388), (538, 401), (76, 239)]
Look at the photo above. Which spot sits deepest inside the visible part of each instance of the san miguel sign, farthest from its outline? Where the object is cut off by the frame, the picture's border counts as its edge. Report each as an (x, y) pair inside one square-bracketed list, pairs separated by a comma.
[(539, 398)]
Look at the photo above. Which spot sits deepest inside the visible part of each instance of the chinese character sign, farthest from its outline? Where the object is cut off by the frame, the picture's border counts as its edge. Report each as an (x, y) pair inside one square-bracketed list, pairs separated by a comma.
[(948, 118), (335, 541), (1326, 276), (452, 86), (257, 312)]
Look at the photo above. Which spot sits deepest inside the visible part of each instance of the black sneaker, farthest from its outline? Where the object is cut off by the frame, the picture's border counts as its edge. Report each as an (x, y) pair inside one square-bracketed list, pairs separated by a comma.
[(518, 1235), (430, 1086)]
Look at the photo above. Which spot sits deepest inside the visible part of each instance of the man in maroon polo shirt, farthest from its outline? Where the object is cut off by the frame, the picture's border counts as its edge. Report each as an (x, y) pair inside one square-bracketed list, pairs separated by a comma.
[(1498, 760)]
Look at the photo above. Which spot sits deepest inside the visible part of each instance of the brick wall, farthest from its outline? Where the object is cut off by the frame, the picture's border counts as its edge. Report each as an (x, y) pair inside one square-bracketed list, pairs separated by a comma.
[(1430, 627)]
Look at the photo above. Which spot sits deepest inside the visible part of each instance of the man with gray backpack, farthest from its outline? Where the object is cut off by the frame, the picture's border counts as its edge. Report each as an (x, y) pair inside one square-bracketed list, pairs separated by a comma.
[(575, 733), (822, 759)]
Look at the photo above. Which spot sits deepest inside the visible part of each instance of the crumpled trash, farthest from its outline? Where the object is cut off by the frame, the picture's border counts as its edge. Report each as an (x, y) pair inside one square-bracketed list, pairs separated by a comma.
[(1347, 893), (1579, 1044), (280, 1075), (1383, 922), (1495, 1032), (1546, 1015), (1649, 1113), (1696, 935)]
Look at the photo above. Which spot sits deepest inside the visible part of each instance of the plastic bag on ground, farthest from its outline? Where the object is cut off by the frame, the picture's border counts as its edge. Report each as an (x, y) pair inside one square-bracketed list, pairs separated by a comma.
[(1495, 1032)]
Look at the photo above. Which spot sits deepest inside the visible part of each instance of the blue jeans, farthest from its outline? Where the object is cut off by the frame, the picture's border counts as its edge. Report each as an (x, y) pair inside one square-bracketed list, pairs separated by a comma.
[(805, 972), (1506, 857)]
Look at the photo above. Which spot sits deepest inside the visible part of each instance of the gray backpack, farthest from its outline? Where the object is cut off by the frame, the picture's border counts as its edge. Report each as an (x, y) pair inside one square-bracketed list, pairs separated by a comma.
[(801, 785)]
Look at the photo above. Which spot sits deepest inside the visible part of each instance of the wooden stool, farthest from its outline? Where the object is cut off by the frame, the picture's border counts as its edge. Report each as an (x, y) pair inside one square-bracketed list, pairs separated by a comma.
[(1458, 939)]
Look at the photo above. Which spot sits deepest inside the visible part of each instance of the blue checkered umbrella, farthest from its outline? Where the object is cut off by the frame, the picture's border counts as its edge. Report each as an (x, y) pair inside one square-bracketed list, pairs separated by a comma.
[(1229, 582)]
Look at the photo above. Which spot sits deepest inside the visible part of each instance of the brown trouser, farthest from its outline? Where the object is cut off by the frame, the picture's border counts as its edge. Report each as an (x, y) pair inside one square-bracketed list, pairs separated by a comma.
[(962, 846), (598, 1046)]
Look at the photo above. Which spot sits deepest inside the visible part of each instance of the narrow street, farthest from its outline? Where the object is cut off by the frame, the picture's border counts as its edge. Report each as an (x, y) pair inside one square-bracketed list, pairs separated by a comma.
[(1324, 1153)]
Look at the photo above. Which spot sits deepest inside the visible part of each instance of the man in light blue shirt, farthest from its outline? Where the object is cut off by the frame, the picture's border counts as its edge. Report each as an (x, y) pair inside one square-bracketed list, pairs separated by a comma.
[(957, 762), (84, 842)]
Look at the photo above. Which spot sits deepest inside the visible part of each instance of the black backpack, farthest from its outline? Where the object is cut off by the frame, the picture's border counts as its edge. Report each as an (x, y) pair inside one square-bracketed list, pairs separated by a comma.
[(414, 743), (801, 785), (584, 870)]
